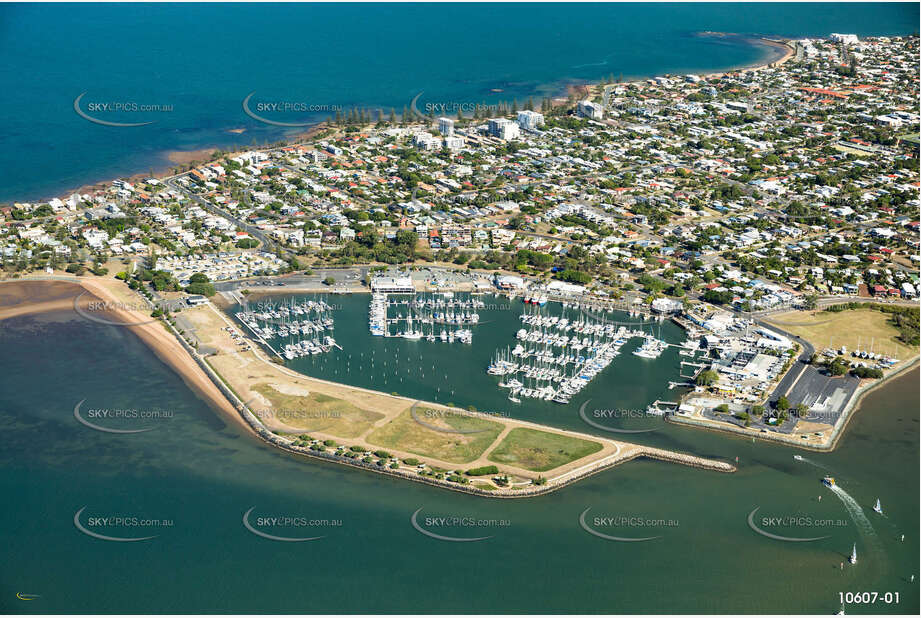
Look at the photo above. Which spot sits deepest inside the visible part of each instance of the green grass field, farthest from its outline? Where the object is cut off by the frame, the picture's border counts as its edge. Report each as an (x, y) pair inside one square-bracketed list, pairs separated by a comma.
[(846, 328), (317, 412), (539, 451), (406, 434)]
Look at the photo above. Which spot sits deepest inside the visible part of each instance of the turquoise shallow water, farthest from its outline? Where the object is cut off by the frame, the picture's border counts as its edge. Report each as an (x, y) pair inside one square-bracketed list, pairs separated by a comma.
[(200, 474), (203, 59)]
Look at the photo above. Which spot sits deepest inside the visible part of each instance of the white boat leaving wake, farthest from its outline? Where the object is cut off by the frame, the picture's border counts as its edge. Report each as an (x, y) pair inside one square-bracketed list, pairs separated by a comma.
[(810, 462)]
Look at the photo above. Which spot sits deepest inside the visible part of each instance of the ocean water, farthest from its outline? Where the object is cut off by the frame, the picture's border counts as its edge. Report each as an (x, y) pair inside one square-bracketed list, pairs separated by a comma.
[(202, 60), (198, 475)]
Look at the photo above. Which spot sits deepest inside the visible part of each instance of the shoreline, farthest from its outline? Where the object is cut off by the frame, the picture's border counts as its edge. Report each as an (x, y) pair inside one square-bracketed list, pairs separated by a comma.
[(203, 378), (230, 403), (784, 52), (183, 159), (174, 158), (782, 46), (837, 431), (167, 349)]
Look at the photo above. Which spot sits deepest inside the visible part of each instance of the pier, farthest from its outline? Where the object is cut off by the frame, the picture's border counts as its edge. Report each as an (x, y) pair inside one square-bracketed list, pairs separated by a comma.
[(558, 355), (423, 312), (616, 452), (303, 328), (662, 408)]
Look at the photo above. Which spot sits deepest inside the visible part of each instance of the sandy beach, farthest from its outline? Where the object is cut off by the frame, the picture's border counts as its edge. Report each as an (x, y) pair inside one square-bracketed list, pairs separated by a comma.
[(248, 374), (784, 51), (27, 297)]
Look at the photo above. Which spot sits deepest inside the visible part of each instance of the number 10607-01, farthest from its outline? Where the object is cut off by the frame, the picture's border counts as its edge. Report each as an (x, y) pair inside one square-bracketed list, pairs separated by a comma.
[(868, 598)]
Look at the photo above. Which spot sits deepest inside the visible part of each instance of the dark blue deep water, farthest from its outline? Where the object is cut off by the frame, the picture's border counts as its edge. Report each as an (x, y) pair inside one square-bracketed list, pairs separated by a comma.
[(204, 59)]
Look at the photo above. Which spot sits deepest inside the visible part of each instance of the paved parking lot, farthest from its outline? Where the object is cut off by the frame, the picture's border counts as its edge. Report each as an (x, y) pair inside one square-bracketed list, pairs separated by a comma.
[(825, 395)]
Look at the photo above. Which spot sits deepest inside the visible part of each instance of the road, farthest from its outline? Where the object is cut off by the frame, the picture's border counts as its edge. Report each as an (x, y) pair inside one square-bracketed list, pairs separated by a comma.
[(267, 243), (346, 278), (800, 365)]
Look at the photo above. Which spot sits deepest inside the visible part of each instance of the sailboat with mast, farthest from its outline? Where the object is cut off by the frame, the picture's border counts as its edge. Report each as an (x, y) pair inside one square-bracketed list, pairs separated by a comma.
[(878, 507), (853, 557)]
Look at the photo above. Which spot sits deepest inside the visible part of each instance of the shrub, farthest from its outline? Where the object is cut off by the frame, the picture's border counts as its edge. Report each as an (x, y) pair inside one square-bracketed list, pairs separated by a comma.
[(867, 372), (202, 288), (706, 378), (482, 471)]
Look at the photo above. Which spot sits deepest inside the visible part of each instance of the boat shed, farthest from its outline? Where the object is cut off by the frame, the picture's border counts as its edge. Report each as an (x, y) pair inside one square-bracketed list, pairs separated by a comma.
[(392, 285)]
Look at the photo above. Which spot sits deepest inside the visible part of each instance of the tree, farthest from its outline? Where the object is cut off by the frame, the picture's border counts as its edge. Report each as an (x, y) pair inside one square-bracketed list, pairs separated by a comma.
[(838, 367), (812, 301), (867, 372), (718, 298), (802, 410), (575, 276), (757, 410), (329, 280), (706, 378), (205, 289), (782, 404)]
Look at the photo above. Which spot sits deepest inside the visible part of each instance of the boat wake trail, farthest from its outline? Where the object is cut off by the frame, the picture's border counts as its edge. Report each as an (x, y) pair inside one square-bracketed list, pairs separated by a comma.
[(814, 463), (873, 548), (860, 518)]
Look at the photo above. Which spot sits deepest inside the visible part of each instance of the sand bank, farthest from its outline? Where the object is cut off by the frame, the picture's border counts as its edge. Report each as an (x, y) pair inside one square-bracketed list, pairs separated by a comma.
[(226, 378), (188, 157), (27, 297)]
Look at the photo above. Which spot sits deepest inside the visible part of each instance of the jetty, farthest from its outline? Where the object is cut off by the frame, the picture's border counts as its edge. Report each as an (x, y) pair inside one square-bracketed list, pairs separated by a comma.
[(303, 329), (558, 355), (454, 317)]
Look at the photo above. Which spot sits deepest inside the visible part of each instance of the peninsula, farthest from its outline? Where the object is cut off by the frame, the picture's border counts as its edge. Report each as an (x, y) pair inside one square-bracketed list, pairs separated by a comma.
[(770, 212), (419, 441)]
